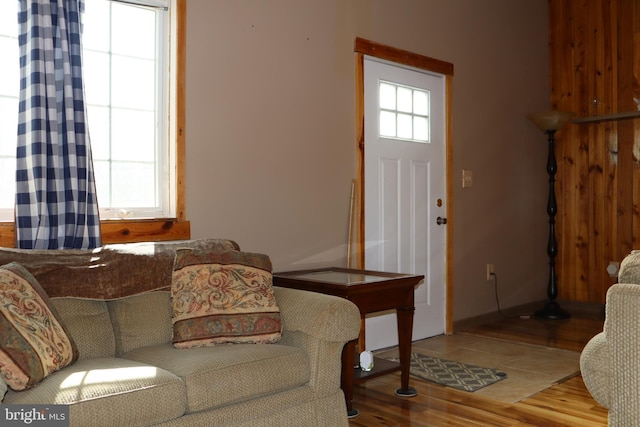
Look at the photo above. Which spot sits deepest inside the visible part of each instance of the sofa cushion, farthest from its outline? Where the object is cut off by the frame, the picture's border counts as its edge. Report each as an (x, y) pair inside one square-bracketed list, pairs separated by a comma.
[(222, 297), (85, 320), (110, 392), (34, 341), (141, 320), (221, 375)]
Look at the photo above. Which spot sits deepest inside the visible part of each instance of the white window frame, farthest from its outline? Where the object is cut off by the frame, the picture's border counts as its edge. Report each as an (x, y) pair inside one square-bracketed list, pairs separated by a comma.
[(166, 161), (165, 176)]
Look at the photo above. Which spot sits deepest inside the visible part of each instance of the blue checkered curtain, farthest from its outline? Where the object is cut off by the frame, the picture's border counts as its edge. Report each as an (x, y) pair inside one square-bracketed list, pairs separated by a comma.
[(56, 206)]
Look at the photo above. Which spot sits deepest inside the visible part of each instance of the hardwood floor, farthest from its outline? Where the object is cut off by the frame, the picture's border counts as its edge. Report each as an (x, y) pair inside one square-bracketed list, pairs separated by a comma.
[(565, 404)]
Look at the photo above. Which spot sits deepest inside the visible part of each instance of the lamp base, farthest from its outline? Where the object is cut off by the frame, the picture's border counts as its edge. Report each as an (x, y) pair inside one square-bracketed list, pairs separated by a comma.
[(552, 311)]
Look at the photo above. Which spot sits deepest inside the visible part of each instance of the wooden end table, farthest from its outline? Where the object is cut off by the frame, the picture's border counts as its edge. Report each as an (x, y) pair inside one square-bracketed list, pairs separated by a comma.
[(371, 291)]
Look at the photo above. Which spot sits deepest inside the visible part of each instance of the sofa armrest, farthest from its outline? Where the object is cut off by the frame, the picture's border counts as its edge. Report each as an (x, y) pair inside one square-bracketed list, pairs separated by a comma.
[(622, 331), (324, 317), (595, 366), (320, 325)]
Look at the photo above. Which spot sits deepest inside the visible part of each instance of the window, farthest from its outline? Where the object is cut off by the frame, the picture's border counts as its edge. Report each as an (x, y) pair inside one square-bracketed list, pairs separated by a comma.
[(127, 55), (404, 112)]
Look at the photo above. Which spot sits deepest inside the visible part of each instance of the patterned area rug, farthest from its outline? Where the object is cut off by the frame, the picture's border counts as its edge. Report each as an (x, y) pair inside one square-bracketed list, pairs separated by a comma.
[(454, 374)]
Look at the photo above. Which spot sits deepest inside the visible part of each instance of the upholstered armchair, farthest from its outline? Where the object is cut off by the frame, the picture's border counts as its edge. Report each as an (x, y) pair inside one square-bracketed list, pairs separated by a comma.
[(610, 362)]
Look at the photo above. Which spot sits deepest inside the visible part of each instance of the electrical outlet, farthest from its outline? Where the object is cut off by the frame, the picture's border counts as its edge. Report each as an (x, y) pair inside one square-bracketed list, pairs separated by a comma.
[(489, 271)]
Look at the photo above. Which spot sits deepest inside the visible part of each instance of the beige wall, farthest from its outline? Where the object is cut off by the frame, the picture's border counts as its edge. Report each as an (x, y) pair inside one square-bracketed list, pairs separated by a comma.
[(271, 129)]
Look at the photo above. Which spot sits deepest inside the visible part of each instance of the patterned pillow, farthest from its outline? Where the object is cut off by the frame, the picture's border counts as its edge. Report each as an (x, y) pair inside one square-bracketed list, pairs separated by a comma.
[(223, 297), (34, 341)]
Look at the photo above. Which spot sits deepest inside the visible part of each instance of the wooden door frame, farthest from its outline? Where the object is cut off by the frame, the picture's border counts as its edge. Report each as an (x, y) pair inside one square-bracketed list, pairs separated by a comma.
[(366, 47)]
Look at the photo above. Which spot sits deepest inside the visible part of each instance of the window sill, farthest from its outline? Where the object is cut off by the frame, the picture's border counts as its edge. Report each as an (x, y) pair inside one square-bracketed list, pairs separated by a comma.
[(122, 231)]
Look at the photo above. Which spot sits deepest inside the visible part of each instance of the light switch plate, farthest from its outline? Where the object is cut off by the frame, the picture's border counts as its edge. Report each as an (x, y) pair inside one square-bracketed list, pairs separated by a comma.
[(467, 178)]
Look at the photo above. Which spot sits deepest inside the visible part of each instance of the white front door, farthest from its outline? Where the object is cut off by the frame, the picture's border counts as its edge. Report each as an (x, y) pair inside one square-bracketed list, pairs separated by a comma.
[(405, 182)]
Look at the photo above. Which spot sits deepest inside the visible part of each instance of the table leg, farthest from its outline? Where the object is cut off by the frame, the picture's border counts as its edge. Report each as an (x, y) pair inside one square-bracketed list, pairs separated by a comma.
[(405, 331), (348, 357)]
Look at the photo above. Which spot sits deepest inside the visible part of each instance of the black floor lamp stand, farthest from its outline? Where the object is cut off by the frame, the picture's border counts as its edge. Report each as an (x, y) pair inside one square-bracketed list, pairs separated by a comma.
[(550, 122)]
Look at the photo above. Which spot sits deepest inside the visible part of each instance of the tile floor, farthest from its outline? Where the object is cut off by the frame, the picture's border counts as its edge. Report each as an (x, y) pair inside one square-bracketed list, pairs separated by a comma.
[(530, 368)]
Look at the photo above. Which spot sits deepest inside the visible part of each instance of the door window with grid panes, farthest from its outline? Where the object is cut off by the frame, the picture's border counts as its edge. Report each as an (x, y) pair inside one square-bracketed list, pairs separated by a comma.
[(404, 112)]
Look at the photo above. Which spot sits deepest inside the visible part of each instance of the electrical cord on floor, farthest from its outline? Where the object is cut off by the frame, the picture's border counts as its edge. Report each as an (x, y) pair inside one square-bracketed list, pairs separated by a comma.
[(495, 288)]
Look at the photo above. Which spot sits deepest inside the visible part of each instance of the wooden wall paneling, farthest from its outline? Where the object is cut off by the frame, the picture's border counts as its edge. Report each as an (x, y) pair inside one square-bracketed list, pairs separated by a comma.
[(567, 227), (561, 57), (595, 90), (617, 195), (626, 134), (603, 167), (578, 217), (627, 176), (635, 182), (613, 235), (611, 146), (595, 54), (570, 46)]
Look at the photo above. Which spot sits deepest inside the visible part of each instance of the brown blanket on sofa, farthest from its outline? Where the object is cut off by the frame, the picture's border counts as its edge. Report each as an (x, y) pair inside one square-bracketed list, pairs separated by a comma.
[(108, 272)]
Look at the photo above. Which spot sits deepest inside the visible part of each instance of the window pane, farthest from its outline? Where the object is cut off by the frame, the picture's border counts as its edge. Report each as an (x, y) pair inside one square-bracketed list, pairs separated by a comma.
[(420, 129), (96, 35), (7, 182), (137, 24), (133, 83), (405, 126), (96, 77), (387, 123), (8, 126), (99, 131), (10, 69), (387, 96), (405, 101), (102, 175), (134, 185), (420, 103), (9, 18), (133, 135)]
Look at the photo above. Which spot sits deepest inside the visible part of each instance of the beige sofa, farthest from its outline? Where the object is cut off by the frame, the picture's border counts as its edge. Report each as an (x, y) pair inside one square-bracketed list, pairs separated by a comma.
[(610, 362), (116, 305)]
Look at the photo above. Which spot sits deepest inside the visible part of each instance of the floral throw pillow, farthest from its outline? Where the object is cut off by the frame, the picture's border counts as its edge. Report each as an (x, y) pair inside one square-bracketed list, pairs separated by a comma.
[(34, 341), (223, 297)]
